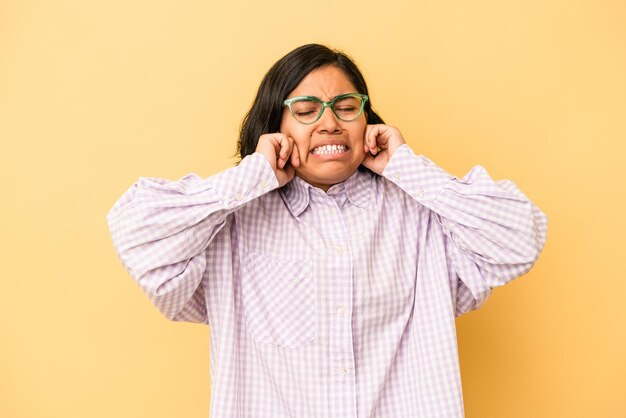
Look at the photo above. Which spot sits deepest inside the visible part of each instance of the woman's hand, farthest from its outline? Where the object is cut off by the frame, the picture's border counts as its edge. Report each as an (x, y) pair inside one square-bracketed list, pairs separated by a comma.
[(380, 143), (282, 153)]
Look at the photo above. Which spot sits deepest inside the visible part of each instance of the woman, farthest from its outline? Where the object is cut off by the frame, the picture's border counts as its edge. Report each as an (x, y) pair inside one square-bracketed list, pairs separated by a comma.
[(331, 262)]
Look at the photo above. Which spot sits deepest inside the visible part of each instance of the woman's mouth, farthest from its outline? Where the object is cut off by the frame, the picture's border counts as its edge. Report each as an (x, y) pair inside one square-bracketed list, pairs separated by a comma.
[(329, 149)]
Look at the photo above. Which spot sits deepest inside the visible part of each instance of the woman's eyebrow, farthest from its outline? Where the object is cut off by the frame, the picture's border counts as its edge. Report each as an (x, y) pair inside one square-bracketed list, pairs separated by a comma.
[(331, 99)]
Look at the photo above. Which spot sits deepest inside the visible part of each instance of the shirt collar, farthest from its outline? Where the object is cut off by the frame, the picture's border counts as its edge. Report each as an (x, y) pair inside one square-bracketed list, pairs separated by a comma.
[(357, 187)]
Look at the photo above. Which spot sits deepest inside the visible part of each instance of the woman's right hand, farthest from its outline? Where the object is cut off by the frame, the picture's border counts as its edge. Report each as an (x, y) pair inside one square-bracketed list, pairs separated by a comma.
[(282, 153)]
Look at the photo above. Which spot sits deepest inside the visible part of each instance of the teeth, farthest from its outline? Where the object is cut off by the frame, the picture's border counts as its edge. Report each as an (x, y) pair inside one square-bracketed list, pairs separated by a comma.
[(329, 149)]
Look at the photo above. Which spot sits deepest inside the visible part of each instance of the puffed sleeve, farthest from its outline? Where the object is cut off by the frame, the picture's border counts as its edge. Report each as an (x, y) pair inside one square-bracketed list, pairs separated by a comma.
[(161, 230), (492, 232)]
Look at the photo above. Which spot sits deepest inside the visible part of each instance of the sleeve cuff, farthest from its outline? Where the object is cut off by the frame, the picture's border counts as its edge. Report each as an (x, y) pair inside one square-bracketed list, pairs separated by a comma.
[(238, 185), (416, 174)]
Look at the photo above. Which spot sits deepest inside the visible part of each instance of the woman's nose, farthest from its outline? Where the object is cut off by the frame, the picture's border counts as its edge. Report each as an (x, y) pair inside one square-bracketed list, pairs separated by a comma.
[(328, 122)]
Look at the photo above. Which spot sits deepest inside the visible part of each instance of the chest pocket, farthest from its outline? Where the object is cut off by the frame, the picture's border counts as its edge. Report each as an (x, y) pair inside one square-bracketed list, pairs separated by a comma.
[(278, 300)]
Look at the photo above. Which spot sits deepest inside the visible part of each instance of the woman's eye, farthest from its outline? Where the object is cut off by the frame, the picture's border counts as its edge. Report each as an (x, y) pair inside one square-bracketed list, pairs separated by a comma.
[(304, 113), (346, 109)]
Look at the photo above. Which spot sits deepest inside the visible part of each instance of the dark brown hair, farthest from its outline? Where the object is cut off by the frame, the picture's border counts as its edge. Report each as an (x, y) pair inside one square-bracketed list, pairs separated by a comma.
[(266, 112)]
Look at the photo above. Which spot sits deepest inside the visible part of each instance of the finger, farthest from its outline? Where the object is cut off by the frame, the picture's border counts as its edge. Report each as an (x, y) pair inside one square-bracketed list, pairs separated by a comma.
[(275, 143), (376, 136), (368, 138), (268, 146), (366, 148), (372, 139), (283, 152), (285, 147), (295, 155)]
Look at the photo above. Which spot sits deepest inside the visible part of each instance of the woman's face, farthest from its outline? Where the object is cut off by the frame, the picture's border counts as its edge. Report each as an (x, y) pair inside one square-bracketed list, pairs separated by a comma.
[(326, 169)]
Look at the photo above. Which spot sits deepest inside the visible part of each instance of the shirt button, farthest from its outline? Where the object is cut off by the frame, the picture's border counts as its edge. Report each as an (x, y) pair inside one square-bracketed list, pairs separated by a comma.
[(331, 211), (396, 175), (239, 197), (343, 371), (263, 183), (341, 310), (339, 249), (420, 193)]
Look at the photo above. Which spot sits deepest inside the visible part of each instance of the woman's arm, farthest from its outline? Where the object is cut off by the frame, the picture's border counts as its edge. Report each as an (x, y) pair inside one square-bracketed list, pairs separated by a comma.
[(493, 233), (161, 230)]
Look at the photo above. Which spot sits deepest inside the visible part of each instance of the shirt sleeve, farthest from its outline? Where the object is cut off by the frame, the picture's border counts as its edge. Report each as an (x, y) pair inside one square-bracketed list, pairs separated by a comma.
[(492, 232), (161, 230)]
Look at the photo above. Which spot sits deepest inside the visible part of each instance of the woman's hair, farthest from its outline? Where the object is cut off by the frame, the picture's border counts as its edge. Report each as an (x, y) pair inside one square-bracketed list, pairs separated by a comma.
[(266, 112)]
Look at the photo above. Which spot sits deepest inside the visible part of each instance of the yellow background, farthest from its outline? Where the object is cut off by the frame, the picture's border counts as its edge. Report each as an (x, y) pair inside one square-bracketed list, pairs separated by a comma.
[(94, 95)]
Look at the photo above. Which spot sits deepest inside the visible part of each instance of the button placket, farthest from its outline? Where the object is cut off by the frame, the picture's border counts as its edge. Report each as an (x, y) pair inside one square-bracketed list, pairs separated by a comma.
[(338, 299)]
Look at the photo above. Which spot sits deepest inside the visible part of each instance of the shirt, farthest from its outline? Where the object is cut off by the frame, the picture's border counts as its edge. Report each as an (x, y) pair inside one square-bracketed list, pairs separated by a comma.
[(337, 304)]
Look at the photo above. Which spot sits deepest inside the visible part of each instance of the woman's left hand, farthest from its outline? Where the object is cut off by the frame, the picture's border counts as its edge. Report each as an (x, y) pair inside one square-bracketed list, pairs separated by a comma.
[(380, 143)]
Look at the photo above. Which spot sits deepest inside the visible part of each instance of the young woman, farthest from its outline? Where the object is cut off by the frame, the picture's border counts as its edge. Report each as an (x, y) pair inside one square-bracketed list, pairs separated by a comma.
[(331, 262)]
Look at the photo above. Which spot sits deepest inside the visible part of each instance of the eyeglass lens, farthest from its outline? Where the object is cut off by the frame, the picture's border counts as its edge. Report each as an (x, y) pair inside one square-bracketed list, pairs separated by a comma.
[(307, 111)]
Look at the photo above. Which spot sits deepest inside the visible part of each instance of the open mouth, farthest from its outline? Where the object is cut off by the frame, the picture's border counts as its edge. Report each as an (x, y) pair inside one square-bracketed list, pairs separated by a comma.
[(329, 149)]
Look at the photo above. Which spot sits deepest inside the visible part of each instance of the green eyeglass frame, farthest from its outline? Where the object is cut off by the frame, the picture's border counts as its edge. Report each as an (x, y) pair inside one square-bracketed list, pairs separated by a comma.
[(324, 104)]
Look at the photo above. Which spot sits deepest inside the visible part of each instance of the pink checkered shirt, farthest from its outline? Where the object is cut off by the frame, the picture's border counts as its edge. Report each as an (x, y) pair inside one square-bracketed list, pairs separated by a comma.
[(338, 304)]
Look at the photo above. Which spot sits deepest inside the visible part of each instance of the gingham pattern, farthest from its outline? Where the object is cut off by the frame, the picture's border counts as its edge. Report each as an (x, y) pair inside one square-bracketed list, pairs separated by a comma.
[(328, 305)]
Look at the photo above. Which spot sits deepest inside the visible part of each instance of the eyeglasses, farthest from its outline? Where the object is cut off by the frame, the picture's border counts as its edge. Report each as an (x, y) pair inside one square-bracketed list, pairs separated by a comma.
[(308, 109)]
